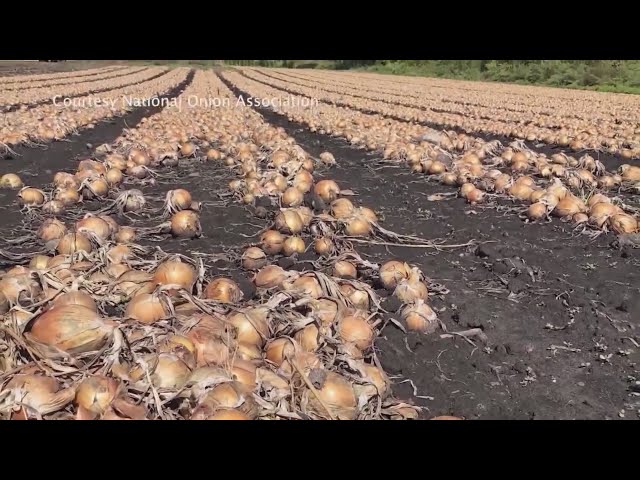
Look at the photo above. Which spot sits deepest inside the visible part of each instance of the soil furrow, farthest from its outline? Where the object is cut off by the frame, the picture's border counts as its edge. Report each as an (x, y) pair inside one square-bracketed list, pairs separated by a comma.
[(555, 310)]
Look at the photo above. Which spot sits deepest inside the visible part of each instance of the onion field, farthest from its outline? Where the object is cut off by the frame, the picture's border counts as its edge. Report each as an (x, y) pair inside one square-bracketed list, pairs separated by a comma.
[(290, 244)]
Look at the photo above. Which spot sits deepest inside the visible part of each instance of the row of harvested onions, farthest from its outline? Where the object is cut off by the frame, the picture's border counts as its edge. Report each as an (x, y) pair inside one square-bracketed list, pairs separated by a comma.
[(577, 132)]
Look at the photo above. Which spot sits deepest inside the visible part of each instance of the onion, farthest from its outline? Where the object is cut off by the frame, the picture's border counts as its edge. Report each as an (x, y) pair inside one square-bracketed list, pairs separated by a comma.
[(466, 188), (96, 393), (359, 298), (125, 235), (272, 242), (208, 339), (520, 191), (344, 269), (420, 317), (254, 258), (270, 276), (187, 149), (305, 286), (368, 214), (213, 154), (598, 198), (74, 242), (569, 206), (358, 227), (94, 225), (411, 289), (19, 288), (39, 262), (448, 178), (303, 181), (146, 308), (279, 350), (357, 330), (306, 215), (31, 196), (502, 182), (327, 190), (51, 229), (324, 246), (474, 196), (114, 177), (179, 199), (64, 180), (54, 207), (76, 297), (308, 338), (579, 218), (293, 245), (67, 196), (342, 208), (10, 180), (39, 393), (251, 325), (623, 223), (244, 372), (445, 417), (288, 221), (292, 197), (392, 272), (223, 290), (71, 328), (228, 414), (537, 211), (169, 372), (601, 212), (176, 272), (96, 188), (335, 394), (185, 223), (325, 310)]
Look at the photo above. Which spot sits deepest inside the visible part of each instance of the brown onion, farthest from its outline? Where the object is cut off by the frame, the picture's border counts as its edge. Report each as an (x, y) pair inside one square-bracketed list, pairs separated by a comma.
[(223, 290)]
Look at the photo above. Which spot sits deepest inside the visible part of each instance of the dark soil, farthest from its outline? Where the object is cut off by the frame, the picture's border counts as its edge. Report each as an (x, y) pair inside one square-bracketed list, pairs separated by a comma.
[(560, 312), (30, 67)]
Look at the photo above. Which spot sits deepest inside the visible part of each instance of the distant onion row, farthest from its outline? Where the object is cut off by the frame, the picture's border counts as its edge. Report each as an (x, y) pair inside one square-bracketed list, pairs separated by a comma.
[(482, 166)]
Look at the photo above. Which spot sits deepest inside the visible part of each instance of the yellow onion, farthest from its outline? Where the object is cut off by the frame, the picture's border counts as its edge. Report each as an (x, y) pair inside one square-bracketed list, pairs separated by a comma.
[(630, 173), (67, 196), (10, 180), (272, 242), (293, 245), (367, 213), (209, 341), (254, 258), (244, 372), (288, 221), (344, 269), (19, 288), (179, 199), (412, 288), (601, 212), (94, 225), (74, 242), (324, 246), (51, 229), (125, 235), (54, 207), (97, 187), (579, 218), (359, 298), (466, 188), (335, 394), (251, 325), (181, 346), (71, 328), (358, 227), (39, 393), (292, 197), (520, 191), (176, 272), (303, 181), (64, 180), (392, 272), (228, 414), (327, 190), (308, 338), (185, 223), (420, 317), (170, 372), (31, 196), (146, 308), (306, 286), (270, 276), (114, 177), (116, 270), (569, 206), (223, 290), (96, 393), (357, 330), (39, 262), (342, 208), (76, 297), (536, 211), (623, 223), (306, 215), (448, 178), (598, 198), (280, 350)]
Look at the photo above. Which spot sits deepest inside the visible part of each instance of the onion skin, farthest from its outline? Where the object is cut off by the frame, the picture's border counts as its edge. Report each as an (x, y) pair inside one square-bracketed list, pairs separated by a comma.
[(223, 290), (146, 308), (176, 272), (336, 394), (71, 328)]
